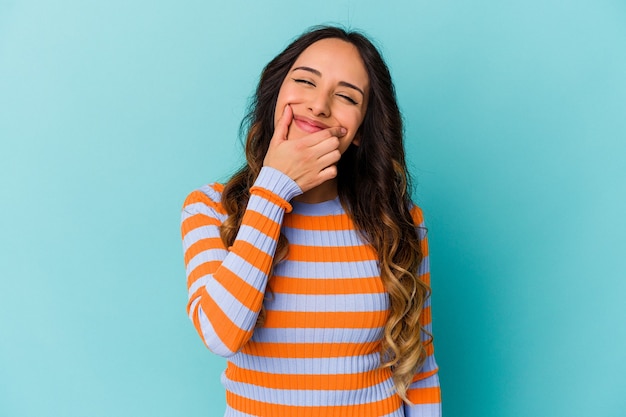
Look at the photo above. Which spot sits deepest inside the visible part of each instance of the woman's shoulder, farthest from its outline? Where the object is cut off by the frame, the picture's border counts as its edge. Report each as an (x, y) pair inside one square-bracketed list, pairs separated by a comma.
[(417, 214), (418, 219), (209, 195)]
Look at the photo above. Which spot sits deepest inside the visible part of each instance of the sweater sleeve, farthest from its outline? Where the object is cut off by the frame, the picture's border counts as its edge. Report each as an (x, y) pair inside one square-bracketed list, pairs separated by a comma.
[(226, 286), (424, 392)]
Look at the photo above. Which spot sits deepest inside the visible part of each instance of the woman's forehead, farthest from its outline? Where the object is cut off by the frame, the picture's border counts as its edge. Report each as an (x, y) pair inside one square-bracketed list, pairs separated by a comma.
[(333, 57)]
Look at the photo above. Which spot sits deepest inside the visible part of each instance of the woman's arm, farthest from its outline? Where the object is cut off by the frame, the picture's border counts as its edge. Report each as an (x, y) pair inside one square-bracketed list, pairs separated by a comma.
[(424, 392), (226, 285)]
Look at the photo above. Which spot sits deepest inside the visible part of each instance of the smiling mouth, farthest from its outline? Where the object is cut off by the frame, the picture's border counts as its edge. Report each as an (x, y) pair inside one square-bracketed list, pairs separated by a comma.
[(309, 125)]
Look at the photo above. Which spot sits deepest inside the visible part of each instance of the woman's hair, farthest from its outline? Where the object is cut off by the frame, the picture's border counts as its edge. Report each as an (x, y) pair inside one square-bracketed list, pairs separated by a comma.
[(373, 185)]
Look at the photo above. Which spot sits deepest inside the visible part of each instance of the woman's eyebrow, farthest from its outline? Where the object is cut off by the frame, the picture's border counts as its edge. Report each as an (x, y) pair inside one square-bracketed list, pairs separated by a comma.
[(309, 69), (319, 74)]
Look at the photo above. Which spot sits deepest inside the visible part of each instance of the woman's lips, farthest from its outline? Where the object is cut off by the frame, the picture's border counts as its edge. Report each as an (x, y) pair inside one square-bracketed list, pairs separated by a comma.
[(309, 125)]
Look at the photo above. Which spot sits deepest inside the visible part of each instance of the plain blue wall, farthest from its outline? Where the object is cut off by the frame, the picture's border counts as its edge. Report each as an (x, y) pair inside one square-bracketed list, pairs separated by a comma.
[(111, 112)]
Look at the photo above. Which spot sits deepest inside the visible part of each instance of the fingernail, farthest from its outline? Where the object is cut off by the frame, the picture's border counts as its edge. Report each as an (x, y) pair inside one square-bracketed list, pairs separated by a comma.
[(344, 131)]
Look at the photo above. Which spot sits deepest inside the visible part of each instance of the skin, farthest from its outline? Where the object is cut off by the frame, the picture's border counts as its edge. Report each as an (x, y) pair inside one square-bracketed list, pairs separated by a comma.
[(321, 104)]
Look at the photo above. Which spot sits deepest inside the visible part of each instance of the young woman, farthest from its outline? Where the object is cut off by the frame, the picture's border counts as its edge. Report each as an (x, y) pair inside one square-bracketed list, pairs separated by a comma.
[(308, 269)]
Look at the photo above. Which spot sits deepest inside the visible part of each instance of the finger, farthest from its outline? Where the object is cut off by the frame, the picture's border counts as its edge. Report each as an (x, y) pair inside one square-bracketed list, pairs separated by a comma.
[(329, 158), (323, 135), (338, 131), (324, 147), (328, 173), (282, 126)]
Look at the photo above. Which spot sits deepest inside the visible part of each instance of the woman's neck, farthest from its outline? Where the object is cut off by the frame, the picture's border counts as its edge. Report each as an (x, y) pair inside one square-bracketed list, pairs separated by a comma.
[(323, 192)]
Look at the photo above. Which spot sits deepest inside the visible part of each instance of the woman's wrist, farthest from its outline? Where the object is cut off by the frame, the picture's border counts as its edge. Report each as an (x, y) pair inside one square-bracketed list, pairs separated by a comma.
[(278, 183)]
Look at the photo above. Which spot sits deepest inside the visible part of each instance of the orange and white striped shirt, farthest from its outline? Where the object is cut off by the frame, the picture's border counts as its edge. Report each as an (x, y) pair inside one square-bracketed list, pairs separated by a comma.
[(318, 351)]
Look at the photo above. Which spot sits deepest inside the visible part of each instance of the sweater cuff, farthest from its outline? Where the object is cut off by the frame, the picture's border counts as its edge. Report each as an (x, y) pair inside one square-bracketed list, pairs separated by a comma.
[(278, 183)]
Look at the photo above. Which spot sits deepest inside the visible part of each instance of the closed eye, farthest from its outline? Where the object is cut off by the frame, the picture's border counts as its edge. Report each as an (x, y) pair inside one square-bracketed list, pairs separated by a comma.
[(302, 81), (348, 99)]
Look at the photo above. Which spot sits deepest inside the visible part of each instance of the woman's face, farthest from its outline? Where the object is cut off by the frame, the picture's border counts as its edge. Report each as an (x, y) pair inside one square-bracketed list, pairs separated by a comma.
[(327, 86)]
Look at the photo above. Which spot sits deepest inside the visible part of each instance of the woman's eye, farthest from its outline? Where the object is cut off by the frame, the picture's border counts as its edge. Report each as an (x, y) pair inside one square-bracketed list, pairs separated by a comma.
[(348, 99), (301, 81)]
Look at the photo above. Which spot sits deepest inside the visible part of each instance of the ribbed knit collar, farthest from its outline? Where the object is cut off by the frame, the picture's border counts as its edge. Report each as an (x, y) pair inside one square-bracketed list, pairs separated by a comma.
[(318, 209)]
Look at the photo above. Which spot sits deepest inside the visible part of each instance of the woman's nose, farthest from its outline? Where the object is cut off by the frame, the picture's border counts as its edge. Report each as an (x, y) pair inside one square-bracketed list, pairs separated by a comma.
[(319, 105)]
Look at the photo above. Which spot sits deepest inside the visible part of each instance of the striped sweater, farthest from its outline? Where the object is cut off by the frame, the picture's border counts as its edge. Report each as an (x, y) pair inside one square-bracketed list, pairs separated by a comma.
[(318, 351)]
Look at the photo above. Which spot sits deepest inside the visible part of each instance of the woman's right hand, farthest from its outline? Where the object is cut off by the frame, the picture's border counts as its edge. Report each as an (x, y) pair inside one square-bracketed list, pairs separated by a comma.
[(310, 160)]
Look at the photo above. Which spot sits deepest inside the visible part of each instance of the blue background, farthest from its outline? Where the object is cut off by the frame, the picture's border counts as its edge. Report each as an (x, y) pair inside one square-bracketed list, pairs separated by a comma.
[(111, 112)]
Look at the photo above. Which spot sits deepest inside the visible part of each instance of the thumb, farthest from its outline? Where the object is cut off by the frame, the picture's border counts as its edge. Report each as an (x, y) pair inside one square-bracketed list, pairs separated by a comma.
[(282, 126)]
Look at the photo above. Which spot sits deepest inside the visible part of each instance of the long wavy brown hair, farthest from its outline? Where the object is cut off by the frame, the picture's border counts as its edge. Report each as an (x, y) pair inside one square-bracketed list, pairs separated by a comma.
[(373, 186)]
